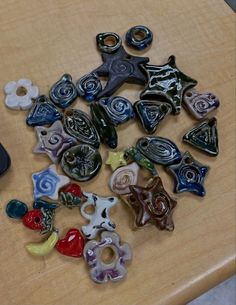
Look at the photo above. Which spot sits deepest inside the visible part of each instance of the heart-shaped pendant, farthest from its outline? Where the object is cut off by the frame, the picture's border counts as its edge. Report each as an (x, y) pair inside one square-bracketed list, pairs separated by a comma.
[(72, 244)]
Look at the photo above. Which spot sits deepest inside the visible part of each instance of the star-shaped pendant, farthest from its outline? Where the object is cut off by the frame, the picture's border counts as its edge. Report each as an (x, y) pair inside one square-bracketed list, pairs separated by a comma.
[(120, 67), (48, 182), (168, 83), (116, 159), (152, 204), (53, 141), (189, 175)]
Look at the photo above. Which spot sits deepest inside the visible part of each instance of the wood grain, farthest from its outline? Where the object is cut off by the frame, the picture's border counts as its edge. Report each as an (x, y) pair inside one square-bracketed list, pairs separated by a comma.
[(41, 40)]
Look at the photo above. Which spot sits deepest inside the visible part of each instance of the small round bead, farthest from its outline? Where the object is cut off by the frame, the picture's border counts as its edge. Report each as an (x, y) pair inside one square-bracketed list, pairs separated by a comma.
[(139, 37)]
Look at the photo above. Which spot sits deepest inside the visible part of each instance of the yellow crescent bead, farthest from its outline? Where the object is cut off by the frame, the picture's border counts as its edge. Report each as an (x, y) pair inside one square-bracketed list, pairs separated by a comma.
[(43, 248)]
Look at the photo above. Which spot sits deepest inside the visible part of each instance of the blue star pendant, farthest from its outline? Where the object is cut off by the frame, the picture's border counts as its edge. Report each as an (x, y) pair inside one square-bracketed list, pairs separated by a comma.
[(189, 175)]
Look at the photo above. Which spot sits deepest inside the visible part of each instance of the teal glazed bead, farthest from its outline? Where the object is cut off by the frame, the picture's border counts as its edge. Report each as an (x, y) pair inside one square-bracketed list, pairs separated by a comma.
[(16, 209)]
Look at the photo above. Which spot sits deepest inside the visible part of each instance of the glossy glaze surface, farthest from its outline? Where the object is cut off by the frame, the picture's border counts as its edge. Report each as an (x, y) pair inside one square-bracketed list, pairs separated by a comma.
[(89, 86), (139, 37), (72, 244), (16, 209), (71, 196), (116, 159), (5, 161), (113, 39)]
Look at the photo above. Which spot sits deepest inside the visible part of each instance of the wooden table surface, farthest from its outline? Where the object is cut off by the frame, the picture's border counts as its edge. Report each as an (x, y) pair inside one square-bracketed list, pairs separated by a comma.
[(41, 40)]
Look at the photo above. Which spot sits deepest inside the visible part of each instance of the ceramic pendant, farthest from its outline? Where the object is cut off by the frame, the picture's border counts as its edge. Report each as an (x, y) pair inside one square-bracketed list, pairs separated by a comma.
[(81, 162), (72, 245), (103, 125), (39, 219), (45, 247), (48, 182), (151, 113), (152, 204), (120, 67), (63, 93), (116, 159), (200, 104), (204, 137), (123, 177), (16, 209), (189, 175), (20, 94), (53, 141), (139, 37), (5, 160), (43, 112), (79, 125), (43, 204), (118, 108), (167, 82), (133, 154), (100, 271), (159, 150), (71, 196), (108, 42), (100, 219), (89, 86)]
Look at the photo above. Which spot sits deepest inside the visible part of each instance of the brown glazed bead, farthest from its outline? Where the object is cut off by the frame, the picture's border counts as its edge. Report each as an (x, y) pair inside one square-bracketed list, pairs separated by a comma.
[(152, 204)]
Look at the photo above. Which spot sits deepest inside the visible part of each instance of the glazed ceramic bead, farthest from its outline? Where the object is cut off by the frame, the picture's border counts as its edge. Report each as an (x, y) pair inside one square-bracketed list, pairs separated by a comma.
[(139, 37), (5, 160), (43, 204), (43, 112), (152, 204), (151, 113), (189, 175), (89, 86), (16, 209), (53, 141), (81, 162), (63, 93), (103, 125), (71, 196), (204, 137), (118, 108), (123, 177), (100, 219), (72, 244), (120, 67), (200, 104), (167, 82), (101, 271), (108, 42), (135, 155), (116, 159), (45, 247), (48, 182), (20, 94), (79, 125), (159, 150)]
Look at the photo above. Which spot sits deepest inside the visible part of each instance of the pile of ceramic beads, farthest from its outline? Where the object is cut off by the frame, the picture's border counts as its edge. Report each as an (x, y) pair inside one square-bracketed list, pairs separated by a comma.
[(71, 139)]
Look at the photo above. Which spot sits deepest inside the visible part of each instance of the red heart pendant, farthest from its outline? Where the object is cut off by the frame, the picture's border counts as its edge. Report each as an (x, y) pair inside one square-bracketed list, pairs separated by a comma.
[(72, 244)]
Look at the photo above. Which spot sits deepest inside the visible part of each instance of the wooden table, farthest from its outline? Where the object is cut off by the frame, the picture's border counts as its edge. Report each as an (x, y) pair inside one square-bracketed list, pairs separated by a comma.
[(41, 40)]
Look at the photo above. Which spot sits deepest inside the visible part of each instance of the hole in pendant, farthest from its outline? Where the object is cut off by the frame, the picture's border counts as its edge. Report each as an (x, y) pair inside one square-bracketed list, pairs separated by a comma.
[(140, 35), (21, 91), (189, 94), (189, 175), (188, 160), (163, 108), (69, 113), (110, 41), (43, 132), (144, 144), (90, 209), (108, 255), (37, 220), (70, 158)]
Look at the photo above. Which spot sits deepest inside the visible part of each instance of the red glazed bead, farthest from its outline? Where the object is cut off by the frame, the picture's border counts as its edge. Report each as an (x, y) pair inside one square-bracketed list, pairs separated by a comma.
[(72, 244), (33, 220), (72, 188)]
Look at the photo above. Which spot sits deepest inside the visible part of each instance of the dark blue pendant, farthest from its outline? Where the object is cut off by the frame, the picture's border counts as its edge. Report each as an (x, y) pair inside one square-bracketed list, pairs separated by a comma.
[(151, 113), (63, 92), (118, 108), (189, 175), (40, 203), (159, 150), (204, 137), (16, 209), (89, 86), (5, 160), (43, 112)]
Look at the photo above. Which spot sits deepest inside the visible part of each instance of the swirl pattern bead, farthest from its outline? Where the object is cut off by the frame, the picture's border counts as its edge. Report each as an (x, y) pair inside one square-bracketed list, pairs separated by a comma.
[(89, 86), (63, 92), (118, 108)]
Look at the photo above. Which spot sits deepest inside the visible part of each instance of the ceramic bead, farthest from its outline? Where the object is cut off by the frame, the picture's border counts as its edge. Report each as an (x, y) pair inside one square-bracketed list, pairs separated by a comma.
[(20, 94), (100, 219), (100, 271), (139, 37), (5, 160), (16, 209), (72, 244), (71, 196), (116, 159), (89, 86), (43, 248), (108, 42)]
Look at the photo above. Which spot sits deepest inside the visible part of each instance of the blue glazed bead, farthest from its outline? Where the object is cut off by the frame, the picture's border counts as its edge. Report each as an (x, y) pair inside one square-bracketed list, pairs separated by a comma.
[(139, 37), (43, 112), (118, 108), (63, 92), (16, 209), (89, 86), (39, 204), (5, 160)]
